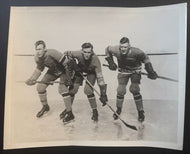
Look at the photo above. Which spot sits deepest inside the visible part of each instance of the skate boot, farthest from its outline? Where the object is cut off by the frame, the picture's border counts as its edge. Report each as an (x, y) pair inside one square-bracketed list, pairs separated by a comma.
[(44, 110), (141, 116), (63, 114), (69, 117), (95, 115), (118, 111)]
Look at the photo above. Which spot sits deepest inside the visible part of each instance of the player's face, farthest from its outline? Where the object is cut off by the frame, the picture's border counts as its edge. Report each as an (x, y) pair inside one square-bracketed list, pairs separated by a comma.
[(124, 48), (87, 53), (40, 50)]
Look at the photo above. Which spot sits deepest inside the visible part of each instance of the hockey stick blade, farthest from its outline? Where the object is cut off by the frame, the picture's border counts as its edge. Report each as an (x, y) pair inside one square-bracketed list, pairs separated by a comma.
[(130, 126), (126, 124)]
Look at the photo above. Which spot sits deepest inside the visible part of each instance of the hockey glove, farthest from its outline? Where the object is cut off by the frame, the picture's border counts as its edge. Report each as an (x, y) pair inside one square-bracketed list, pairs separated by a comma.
[(112, 65), (103, 97), (151, 73), (35, 75), (30, 82)]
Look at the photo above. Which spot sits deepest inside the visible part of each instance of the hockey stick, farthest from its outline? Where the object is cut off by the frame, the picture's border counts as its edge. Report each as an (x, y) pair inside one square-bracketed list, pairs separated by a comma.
[(127, 125), (143, 73), (162, 77), (150, 54), (50, 82), (23, 54)]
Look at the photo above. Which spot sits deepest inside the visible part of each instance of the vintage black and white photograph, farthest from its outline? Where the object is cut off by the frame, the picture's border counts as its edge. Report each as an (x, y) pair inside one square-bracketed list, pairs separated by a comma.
[(96, 76)]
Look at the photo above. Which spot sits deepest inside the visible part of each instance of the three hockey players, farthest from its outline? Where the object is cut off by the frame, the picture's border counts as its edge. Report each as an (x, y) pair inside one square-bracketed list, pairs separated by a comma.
[(72, 66)]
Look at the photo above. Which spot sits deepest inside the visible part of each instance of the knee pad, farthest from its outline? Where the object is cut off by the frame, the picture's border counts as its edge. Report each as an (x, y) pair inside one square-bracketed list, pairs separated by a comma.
[(88, 90), (62, 89), (121, 90), (74, 90), (41, 88), (134, 88)]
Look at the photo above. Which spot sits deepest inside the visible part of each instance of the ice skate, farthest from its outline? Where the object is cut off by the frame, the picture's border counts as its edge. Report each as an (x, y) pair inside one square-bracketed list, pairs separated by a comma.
[(44, 110), (69, 117), (141, 116), (63, 114), (118, 111), (95, 115)]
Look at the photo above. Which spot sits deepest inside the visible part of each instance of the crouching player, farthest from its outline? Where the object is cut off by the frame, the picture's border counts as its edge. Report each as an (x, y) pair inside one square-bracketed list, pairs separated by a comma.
[(87, 64), (59, 66)]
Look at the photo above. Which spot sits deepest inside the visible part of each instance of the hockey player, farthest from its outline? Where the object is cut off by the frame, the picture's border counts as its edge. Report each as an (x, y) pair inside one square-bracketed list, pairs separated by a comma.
[(129, 61), (59, 66), (89, 65)]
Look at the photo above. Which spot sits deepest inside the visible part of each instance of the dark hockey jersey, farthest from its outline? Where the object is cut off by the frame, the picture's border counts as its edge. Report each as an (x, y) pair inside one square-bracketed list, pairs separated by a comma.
[(131, 61), (53, 60), (91, 66)]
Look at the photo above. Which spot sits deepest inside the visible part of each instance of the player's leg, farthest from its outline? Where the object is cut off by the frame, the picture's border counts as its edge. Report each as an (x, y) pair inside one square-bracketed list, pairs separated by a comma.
[(76, 84), (72, 91), (121, 91), (91, 97), (41, 88), (135, 90), (64, 92)]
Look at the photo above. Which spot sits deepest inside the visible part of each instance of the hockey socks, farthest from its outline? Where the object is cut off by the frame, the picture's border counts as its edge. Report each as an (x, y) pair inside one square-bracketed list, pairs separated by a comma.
[(119, 104), (63, 114), (45, 106), (92, 101), (43, 97), (72, 98), (67, 101), (138, 101), (120, 100), (93, 105), (139, 106)]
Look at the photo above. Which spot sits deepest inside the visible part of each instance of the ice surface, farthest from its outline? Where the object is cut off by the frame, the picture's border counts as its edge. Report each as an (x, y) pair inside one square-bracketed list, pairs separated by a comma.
[(160, 124)]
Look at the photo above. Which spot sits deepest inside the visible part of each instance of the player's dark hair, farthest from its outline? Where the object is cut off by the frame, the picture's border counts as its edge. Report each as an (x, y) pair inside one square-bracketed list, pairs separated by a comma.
[(124, 40), (40, 42), (87, 45)]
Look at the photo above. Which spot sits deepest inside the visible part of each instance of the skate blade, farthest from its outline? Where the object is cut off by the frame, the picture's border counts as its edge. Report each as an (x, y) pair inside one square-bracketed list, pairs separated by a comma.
[(65, 123), (46, 113), (61, 117)]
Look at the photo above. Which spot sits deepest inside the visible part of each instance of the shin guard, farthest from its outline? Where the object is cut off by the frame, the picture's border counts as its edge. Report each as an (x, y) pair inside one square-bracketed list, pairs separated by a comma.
[(67, 101), (119, 102), (92, 101), (138, 101), (43, 97)]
